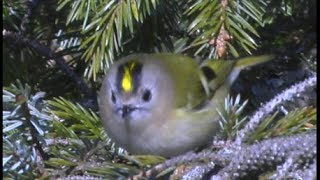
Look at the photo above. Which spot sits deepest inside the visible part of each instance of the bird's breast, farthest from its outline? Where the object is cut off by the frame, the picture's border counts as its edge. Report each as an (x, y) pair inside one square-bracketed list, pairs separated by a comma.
[(181, 132)]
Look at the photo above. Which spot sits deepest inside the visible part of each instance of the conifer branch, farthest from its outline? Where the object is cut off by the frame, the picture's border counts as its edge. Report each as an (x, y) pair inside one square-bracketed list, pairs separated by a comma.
[(49, 54), (266, 109)]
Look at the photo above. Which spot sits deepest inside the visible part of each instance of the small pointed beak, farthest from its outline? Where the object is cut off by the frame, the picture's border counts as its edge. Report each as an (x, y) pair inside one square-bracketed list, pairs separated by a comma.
[(126, 111)]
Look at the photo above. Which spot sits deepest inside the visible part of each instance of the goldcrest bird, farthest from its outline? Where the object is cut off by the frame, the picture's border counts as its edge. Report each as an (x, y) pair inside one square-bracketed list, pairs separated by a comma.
[(166, 104)]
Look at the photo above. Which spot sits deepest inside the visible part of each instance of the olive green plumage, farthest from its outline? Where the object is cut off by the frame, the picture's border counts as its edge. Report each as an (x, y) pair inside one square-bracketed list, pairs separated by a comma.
[(184, 72), (165, 104)]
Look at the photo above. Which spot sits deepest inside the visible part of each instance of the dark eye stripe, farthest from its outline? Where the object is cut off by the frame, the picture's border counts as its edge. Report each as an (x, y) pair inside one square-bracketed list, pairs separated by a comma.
[(209, 73), (128, 76)]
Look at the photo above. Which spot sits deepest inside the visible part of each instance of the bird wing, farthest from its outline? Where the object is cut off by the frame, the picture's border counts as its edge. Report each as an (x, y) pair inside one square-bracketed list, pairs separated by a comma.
[(188, 88)]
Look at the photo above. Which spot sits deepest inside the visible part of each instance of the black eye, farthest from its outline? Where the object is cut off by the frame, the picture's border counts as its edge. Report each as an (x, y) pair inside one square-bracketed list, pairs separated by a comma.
[(113, 97), (146, 95)]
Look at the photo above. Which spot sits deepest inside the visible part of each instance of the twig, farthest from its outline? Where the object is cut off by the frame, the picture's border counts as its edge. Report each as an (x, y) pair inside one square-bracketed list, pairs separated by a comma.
[(256, 119), (209, 156), (49, 54), (33, 131), (270, 153)]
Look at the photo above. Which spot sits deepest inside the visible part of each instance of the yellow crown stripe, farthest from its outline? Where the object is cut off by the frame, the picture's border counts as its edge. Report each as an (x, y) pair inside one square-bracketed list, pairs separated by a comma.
[(127, 80)]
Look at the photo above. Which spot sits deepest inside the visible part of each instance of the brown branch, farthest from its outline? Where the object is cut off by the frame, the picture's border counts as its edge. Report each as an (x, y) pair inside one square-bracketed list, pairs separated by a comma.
[(242, 161), (35, 141), (49, 54), (204, 156)]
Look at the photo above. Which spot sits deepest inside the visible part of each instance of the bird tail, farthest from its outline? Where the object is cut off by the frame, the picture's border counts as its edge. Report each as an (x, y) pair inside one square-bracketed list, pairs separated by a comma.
[(217, 76)]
